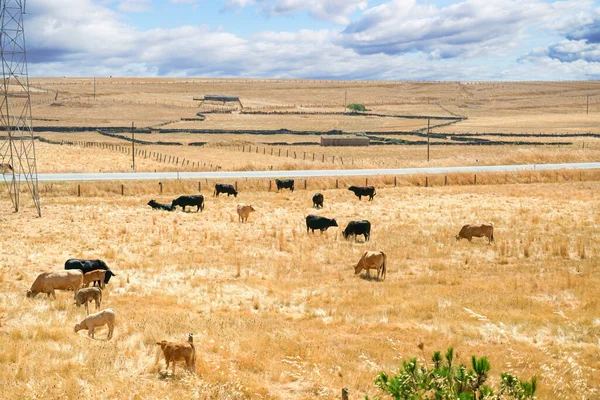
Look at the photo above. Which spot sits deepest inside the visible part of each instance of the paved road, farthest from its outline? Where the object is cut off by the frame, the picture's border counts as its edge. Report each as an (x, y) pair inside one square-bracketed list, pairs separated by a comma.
[(117, 176)]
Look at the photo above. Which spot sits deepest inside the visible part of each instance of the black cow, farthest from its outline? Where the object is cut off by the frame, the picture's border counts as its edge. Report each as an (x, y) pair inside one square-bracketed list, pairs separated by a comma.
[(315, 222), (183, 201), (318, 200), (360, 191), (88, 266), (285, 184), (225, 188), (160, 206), (358, 228)]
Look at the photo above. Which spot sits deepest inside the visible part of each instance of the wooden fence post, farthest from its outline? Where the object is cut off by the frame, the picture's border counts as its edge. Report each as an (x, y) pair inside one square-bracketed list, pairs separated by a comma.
[(270, 182), (336, 184), (426, 181), (475, 180), (446, 180), (366, 181), (78, 190), (199, 186), (160, 187), (394, 181), (236, 186), (305, 184), (122, 189)]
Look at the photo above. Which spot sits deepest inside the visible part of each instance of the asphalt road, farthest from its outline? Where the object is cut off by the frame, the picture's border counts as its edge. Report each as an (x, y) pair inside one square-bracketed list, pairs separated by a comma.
[(125, 176)]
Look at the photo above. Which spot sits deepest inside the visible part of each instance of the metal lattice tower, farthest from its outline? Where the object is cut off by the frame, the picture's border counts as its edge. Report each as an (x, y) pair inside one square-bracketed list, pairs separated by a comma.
[(17, 150)]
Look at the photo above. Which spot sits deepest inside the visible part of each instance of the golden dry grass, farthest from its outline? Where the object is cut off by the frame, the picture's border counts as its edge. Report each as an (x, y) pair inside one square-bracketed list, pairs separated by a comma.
[(278, 313)]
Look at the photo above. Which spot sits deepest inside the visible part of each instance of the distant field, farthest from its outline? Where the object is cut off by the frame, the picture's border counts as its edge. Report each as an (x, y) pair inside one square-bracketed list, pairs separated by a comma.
[(278, 313)]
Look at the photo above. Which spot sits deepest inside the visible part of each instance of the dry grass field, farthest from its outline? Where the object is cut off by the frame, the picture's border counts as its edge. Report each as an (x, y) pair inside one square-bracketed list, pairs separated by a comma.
[(278, 313)]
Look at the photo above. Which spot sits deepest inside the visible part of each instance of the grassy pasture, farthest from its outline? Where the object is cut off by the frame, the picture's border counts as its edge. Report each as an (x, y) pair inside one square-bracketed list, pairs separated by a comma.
[(278, 313)]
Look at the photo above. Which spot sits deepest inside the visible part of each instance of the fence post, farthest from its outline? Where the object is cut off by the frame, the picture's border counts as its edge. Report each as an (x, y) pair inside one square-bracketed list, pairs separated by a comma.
[(160, 187), (475, 180), (305, 184), (270, 182), (199, 186), (287, 153), (366, 181), (446, 180), (426, 181), (279, 153), (236, 186), (394, 181), (78, 190), (336, 184), (122, 189), (323, 157)]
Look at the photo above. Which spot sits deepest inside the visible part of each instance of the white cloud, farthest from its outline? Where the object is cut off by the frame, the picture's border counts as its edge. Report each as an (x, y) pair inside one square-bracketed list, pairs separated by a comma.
[(331, 10), (135, 5)]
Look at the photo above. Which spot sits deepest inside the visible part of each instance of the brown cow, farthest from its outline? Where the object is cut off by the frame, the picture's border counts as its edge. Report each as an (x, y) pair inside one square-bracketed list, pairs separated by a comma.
[(174, 351), (244, 212), (470, 231), (372, 260), (95, 276)]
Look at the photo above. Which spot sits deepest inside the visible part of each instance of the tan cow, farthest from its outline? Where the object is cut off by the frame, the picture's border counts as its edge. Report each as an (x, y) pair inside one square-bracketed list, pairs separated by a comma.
[(470, 231), (244, 212), (372, 260), (48, 282), (96, 275), (86, 295), (92, 321), (175, 351)]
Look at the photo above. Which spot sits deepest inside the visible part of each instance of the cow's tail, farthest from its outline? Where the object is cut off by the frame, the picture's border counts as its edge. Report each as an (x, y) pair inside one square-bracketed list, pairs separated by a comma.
[(492, 235), (374, 191), (383, 268)]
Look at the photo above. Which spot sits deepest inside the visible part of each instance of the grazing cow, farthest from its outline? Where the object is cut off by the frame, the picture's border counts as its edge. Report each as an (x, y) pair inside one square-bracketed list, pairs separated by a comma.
[(92, 321), (285, 184), (244, 212), (183, 201), (97, 276), (315, 222), (470, 231), (358, 228), (318, 200), (86, 295), (160, 206), (175, 351), (372, 260), (48, 282), (360, 191), (225, 188), (89, 266)]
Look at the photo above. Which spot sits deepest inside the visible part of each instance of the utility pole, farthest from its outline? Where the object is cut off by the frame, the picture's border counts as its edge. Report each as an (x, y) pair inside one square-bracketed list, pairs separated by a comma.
[(133, 147), (428, 125)]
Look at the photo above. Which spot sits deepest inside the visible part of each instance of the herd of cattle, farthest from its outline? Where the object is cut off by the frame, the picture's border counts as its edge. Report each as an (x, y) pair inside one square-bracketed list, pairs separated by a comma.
[(79, 274)]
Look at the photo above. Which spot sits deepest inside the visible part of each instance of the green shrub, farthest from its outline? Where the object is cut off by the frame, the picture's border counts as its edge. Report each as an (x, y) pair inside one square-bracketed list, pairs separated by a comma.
[(356, 107), (446, 381)]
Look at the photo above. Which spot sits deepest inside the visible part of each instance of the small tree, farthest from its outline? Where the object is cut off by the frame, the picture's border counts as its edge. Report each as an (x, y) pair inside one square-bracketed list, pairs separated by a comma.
[(444, 381), (356, 107)]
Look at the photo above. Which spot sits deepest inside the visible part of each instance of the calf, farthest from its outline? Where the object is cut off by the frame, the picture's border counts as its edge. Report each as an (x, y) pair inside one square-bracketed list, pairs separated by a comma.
[(358, 228), (360, 191), (244, 212), (225, 188), (285, 184), (88, 266), (85, 295), (315, 222), (482, 230), (183, 201), (317, 200), (175, 351), (97, 277), (92, 321), (372, 260), (48, 282), (160, 206)]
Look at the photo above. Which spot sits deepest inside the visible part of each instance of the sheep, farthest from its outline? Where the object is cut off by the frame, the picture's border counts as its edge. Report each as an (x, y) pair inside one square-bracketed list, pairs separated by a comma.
[(96, 275), (93, 321), (48, 282), (85, 295)]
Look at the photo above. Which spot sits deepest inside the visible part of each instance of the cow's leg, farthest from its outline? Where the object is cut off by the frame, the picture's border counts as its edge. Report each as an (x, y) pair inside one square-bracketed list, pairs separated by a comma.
[(91, 332), (111, 327), (53, 294), (87, 311)]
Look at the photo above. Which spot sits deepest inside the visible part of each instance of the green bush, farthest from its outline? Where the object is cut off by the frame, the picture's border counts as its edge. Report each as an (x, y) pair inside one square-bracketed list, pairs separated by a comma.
[(445, 381), (356, 107)]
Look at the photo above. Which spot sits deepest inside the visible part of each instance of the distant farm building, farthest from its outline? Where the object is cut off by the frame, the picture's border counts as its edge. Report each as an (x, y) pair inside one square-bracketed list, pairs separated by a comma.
[(344, 140), (220, 99)]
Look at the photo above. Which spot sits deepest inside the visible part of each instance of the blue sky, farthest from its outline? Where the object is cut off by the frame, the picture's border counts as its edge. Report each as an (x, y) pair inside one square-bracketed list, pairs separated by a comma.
[(330, 39)]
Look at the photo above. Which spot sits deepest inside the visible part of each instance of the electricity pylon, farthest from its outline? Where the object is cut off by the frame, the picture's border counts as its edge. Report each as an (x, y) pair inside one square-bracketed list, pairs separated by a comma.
[(17, 150)]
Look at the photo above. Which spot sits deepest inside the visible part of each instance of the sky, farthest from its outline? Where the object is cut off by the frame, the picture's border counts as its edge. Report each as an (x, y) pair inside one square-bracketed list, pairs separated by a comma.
[(441, 40)]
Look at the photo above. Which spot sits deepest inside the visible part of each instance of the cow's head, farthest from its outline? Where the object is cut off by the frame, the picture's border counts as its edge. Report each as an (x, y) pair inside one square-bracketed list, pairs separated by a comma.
[(357, 268), (346, 233), (251, 208), (30, 294), (352, 188), (79, 327), (151, 203), (333, 222), (457, 237), (162, 344), (108, 275)]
